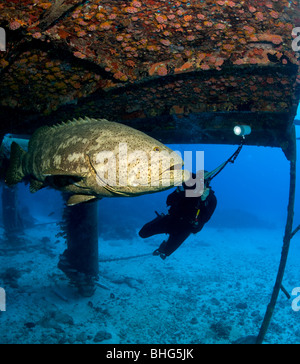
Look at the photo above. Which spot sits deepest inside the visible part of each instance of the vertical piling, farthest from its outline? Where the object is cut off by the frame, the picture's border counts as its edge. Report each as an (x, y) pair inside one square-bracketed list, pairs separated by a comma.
[(80, 262), (12, 221), (286, 244)]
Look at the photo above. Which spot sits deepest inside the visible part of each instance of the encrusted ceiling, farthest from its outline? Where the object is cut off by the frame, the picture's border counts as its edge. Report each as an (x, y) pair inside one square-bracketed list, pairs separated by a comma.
[(183, 71)]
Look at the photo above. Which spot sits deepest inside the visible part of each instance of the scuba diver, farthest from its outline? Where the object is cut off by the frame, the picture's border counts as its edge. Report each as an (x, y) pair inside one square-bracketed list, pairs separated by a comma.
[(187, 215), (189, 209)]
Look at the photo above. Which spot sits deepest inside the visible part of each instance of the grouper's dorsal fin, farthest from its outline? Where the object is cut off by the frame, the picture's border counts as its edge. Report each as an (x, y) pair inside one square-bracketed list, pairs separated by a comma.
[(80, 121)]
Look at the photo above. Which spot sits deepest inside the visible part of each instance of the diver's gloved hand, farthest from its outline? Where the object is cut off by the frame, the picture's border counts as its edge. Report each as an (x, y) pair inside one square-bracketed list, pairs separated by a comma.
[(205, 194)]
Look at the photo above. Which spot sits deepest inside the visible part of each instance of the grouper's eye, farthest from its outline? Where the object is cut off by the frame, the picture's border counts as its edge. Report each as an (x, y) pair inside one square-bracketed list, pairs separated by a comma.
[(156, 149)]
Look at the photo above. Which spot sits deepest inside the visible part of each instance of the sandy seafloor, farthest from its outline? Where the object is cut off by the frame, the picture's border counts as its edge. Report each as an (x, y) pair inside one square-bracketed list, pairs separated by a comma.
[(212, 290)]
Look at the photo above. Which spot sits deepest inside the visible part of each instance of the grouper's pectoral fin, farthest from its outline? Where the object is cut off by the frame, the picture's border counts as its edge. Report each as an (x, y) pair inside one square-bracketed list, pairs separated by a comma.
[(107, 187), (60, 179), (77, 199), (36, 185)]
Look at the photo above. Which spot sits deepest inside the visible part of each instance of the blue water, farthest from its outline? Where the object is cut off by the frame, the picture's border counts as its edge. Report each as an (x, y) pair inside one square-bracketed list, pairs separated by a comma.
[(214, 289)]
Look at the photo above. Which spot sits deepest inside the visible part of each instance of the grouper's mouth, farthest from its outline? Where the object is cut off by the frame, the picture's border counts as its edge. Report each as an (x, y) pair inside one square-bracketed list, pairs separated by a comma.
[(175, 167), (177, 177)]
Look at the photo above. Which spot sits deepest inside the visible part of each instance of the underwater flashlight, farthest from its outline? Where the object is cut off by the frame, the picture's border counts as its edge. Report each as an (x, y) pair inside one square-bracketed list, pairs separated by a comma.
[(242, 130)]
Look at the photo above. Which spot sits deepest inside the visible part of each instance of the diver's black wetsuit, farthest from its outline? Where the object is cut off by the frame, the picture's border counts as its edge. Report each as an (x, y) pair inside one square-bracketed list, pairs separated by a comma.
[(181, 221)]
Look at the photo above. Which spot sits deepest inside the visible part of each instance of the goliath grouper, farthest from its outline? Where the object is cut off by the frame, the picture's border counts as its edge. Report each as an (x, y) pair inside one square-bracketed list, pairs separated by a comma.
[(95, 158)]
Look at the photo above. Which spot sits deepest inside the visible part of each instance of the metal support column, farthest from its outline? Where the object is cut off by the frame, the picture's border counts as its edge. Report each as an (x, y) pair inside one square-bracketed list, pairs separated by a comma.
[(286, 242), (13, 225), (80, 262)]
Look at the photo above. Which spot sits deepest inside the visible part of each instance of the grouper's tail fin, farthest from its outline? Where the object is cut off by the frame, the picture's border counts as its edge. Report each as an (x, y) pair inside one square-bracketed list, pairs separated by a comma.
[(15, 173)]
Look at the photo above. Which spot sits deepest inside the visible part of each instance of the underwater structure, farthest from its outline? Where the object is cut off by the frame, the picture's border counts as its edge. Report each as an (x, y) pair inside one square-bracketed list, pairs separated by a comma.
[(80, 261), (156, 65), (12, 222), (181, 71)]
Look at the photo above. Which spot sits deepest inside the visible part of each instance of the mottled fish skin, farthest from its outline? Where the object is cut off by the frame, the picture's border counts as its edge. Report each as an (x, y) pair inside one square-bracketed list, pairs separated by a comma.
[(66, 157)]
